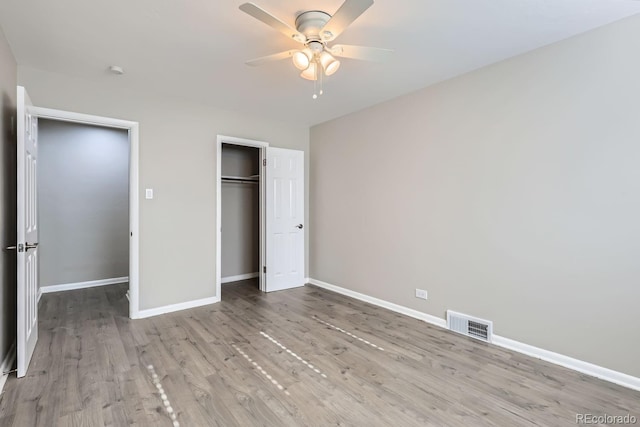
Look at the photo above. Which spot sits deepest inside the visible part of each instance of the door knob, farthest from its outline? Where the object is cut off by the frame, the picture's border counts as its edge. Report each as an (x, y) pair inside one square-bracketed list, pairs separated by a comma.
[(300, 226), (28, 246)]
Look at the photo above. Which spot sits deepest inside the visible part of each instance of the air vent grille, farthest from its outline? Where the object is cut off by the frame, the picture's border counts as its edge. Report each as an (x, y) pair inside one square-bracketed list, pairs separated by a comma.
[(470, 326)]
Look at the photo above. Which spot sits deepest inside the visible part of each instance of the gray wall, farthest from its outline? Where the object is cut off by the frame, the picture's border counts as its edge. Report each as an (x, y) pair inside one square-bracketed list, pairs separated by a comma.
[(240, 212), (177, 159), (8, 81), (83, 209), (511, 193)]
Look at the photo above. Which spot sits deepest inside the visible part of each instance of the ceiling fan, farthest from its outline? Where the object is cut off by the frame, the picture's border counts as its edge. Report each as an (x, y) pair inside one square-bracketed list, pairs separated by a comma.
[(315, 30)]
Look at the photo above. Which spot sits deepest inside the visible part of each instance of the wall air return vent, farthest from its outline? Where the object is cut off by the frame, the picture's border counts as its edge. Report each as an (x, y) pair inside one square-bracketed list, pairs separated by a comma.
[(470, 326)]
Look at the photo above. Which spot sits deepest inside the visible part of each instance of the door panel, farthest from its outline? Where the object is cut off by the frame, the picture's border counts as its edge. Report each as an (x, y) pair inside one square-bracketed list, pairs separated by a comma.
[(285, 219), (27, 233)]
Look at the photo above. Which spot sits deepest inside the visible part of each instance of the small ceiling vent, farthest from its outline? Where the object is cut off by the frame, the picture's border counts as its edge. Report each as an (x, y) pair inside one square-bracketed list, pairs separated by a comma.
[(470, 326)]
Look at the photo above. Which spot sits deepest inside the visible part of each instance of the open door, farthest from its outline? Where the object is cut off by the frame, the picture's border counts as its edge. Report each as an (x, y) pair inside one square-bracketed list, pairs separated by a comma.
[(27, 245), (284, 219)]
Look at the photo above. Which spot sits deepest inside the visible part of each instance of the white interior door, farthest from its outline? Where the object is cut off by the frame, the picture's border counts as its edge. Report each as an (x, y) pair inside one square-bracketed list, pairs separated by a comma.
[(27, 234), (284, 219)]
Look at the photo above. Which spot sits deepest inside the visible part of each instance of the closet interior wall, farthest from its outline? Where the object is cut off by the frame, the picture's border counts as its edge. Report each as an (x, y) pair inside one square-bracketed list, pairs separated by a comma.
[(240, 208)]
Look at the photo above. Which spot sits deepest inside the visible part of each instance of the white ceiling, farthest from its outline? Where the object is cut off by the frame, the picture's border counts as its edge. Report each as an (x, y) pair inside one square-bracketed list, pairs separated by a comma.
[(197, 48)]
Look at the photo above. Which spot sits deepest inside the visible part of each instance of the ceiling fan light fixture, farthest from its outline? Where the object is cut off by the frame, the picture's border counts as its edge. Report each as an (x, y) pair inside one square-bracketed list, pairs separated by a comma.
[(315, 47), (311, 73), (329, 64), (315, 29), (301, 59)]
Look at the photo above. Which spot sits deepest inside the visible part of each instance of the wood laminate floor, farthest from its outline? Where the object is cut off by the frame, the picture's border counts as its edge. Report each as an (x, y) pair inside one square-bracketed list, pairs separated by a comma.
[(304, 357)]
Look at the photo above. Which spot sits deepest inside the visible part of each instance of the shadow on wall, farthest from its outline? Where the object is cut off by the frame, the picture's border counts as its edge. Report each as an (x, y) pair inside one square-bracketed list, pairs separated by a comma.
[(9, 224)]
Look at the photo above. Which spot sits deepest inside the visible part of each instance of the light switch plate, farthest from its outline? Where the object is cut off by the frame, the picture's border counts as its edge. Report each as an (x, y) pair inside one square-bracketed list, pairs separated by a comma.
[(148, 193)]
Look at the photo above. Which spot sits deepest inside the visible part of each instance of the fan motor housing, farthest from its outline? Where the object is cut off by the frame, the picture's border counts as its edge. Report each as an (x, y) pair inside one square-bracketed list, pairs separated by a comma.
[(310, 23)]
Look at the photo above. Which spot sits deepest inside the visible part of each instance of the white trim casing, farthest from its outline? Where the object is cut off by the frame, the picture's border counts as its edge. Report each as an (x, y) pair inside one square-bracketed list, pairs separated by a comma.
[(134, 187), (177, 307), (70, 116), (134, 222), (82, 285), (600, 372), (230, 279), (6, 365)]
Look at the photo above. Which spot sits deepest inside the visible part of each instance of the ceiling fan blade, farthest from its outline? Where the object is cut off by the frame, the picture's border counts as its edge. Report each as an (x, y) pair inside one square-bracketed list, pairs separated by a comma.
[(269, 58), (361, 52), (272, 21), (348, 12)]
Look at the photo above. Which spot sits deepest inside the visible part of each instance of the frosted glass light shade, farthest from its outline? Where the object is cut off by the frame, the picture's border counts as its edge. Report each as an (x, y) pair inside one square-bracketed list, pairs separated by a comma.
[(301, 60), (329, 64), (311, 72)]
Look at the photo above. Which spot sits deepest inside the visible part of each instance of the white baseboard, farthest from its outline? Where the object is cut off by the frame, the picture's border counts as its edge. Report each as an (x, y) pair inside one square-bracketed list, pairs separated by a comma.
[(142, 314), (239, 277), (569, 362), (603, 373), (83, 285), (382, 303), (39, 294), (6, 365)]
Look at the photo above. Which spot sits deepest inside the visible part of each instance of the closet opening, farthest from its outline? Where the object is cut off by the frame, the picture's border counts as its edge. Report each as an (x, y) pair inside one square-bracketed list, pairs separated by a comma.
[(278, 231), (240, 268)]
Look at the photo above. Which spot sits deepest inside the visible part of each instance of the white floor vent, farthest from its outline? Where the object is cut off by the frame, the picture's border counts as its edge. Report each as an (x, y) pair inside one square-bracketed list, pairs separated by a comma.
[(471, 326)]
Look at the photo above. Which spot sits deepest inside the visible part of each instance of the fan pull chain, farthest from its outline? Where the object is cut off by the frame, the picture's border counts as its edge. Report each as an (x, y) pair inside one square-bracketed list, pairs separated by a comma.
[(315, 91), (318, 75), (315, 78)]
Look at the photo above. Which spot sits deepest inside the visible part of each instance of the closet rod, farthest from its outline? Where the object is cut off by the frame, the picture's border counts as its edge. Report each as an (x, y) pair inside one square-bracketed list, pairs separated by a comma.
[(239, 181)]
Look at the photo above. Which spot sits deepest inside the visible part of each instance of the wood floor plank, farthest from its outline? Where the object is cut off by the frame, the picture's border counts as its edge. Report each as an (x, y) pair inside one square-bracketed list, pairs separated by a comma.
[(259, 359)]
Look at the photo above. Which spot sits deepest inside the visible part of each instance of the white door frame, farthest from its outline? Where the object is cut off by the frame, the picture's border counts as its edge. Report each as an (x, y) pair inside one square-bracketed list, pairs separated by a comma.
[(134, 212), (262, 146)]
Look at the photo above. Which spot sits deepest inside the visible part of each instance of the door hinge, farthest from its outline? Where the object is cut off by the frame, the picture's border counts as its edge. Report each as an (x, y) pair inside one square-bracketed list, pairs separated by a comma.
[(264, 269), (264, 162)]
